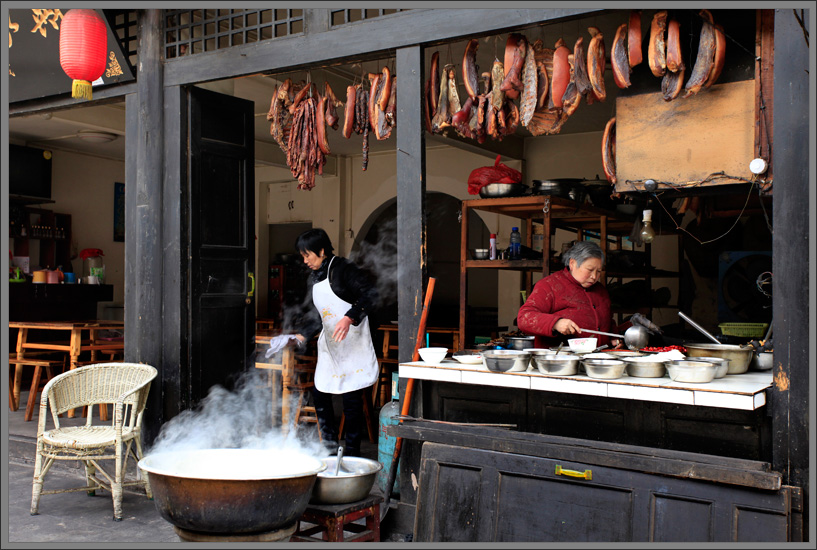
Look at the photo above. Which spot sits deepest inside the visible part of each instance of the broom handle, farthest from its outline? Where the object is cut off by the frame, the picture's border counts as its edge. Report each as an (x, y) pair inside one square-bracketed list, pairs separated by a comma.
[(398, 444)]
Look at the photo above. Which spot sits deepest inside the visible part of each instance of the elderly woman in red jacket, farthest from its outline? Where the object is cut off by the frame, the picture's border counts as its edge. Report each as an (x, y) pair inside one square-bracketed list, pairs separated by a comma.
[(569, 300)]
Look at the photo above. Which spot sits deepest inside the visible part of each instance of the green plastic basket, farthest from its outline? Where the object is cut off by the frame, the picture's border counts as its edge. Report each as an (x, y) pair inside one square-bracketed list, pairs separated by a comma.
[(746, 330)]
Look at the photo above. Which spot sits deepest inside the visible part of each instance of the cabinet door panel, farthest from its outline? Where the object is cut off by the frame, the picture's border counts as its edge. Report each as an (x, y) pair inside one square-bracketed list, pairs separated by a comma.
[(279, 203)]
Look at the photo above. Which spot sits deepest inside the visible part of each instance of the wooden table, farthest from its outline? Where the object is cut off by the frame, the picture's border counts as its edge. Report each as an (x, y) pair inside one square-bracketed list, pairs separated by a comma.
[(454, 332), (81, 336)]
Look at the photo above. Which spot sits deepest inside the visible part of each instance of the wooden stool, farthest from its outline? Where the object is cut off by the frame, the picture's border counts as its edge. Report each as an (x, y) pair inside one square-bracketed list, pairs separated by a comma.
[(301, 381), (367, 411), (382, 386), (36, 386), (333, 519)]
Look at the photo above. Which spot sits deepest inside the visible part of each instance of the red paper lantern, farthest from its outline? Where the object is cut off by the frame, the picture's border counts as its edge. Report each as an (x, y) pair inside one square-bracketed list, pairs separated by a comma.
[(83, 49)]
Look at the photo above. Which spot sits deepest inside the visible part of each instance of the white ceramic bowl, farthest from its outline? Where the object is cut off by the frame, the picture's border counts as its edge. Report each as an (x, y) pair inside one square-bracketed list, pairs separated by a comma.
[(582, 345), (433, 355)]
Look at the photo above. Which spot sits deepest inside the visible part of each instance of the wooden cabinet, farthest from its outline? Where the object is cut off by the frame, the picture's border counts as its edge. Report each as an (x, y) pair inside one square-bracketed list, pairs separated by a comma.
[(553, 213), (481, 484), (287, 204), (43, 232)]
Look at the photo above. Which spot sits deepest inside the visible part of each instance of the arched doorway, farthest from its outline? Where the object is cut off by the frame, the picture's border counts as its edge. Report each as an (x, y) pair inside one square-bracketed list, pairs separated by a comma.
[(376, 251)]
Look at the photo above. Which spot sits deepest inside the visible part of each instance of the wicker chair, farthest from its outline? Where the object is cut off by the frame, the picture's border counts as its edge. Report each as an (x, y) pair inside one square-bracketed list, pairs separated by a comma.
[(126, 385)]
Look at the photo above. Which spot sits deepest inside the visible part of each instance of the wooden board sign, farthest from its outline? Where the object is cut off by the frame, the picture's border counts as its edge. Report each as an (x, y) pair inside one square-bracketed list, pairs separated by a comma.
[(685, 140)]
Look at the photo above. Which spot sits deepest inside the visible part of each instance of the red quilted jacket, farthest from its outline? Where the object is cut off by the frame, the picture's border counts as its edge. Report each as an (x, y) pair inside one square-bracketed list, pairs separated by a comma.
[(559, 295)]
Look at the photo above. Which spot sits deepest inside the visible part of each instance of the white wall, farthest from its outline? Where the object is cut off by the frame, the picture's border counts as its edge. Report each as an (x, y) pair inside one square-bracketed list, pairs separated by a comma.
[(83, 186)]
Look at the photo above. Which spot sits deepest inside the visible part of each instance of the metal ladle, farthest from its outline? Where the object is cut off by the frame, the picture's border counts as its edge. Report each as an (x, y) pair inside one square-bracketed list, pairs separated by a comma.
[(698, 327), (635, 337), (337, 464)]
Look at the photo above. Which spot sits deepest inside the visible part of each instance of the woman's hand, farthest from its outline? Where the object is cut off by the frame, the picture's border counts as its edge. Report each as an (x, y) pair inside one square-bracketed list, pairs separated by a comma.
[(566, 326), (342, 329)]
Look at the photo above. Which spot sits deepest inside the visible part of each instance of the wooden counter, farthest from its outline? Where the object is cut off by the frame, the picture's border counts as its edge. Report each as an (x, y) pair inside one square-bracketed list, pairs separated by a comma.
[(56, 302)]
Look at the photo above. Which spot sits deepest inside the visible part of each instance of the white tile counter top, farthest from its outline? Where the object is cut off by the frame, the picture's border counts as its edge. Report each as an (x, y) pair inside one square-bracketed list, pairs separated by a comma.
[(745, 391)]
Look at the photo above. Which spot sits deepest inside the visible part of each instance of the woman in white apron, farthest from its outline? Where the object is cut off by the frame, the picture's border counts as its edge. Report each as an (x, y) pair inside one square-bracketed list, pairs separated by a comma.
[(343, 297)]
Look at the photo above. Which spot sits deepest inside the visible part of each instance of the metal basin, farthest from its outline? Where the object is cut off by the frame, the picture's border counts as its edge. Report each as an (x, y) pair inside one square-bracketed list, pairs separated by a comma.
[(353, 482), (551, 363), (739, 355), (644, 367), (520, 342), (506, 360), (231, 491), (605, 369), (723, 365), (763, 360), (684, 370), (499, 190)]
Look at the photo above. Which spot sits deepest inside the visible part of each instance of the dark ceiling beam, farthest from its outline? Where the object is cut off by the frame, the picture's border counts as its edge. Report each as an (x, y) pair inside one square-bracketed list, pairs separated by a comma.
[(371, 39)]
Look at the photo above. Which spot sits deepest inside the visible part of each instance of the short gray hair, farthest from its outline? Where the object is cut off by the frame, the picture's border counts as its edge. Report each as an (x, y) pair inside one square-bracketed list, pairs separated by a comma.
[(581, 251)]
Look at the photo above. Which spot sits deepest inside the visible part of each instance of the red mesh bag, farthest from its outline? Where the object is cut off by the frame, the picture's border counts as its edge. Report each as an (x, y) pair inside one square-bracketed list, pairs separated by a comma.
[(498, 173)]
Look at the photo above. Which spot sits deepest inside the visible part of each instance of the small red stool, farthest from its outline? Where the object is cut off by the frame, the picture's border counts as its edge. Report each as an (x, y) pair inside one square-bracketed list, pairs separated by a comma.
[(333, 519)]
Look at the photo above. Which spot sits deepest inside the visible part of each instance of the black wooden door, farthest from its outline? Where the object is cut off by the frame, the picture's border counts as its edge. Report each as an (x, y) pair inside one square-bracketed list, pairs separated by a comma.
[(222, 239)]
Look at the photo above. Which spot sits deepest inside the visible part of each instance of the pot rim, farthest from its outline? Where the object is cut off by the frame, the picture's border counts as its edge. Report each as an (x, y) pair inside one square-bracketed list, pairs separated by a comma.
[(311, 465)]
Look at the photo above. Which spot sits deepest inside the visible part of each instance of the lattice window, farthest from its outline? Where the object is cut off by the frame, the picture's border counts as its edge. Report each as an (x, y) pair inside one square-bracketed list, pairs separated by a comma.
[(123, 24), (190, 32), (343, 17)]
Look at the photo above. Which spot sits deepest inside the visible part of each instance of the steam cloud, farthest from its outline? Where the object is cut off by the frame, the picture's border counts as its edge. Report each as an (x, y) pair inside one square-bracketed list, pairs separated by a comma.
[(240, 419)]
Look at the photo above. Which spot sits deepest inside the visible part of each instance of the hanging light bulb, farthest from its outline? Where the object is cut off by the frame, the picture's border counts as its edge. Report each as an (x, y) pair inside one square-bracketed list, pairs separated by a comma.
[(647, 232)]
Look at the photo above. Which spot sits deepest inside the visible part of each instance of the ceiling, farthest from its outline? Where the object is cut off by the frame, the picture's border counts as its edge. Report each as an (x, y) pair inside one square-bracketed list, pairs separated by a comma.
[(61, 129)]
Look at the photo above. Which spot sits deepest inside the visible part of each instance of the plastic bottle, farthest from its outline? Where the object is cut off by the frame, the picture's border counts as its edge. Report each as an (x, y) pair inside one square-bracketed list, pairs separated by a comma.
[(516, 244), (492, 246), (386, 443)]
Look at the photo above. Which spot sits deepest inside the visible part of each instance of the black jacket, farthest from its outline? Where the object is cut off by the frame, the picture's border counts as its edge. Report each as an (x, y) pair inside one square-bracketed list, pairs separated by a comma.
[(350, 283)]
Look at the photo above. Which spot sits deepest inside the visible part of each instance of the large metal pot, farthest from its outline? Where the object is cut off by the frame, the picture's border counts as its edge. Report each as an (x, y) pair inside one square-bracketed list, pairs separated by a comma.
[(501, 190), (231, 491), (739, 355), (520, 343)]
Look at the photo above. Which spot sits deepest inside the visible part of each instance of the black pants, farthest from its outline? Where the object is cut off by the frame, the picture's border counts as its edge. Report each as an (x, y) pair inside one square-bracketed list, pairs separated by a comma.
[(353, 425)]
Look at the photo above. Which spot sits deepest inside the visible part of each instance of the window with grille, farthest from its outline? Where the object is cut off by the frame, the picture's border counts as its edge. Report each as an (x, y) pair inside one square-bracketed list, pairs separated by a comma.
[(343, 17), (123, 24), (190, 32)]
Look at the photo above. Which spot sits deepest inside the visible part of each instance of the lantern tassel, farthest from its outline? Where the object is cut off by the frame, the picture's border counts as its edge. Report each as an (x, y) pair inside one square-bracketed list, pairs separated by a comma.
[(81, 89)]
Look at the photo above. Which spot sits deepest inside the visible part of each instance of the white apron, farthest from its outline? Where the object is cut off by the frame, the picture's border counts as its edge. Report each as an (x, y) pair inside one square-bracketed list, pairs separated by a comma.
[(342, 366)]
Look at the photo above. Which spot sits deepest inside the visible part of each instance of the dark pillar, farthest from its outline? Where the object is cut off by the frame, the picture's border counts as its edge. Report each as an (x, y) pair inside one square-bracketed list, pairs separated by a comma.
[(143, 215), (792, 249)]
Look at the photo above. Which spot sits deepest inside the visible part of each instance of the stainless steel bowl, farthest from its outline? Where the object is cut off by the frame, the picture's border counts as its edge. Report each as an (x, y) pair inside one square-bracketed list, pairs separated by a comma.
[(506, 360), (480, 253), (763, 360), (520, 342), (685, 370), (723, 365), (499, 190), (353, 482), (556, 364), (640, 367), (739, 356), (606, 369)]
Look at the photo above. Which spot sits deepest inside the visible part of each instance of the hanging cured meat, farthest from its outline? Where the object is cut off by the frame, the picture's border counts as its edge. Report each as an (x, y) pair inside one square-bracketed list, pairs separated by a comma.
[(515, 49), (434, 77), (441, 118), (497, 75), (304, 155), (511, 117), (720, 56), (461, 119), (657, 48), (618, 58), (674, 59), (391, 108), (561, 72), (580, 76), (469, 68), (672, 83), (349, 112), (544, 60), (634, 38), (608, 150), (454, 104), (428, 112), (332, 104), (320, 126), (279, 115), (705, 59), (542, 85), (596, 63), (530, 79)]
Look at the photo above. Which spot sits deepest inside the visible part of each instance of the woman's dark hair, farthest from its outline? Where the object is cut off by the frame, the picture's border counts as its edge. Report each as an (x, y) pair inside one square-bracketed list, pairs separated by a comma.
[(314, 240)]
